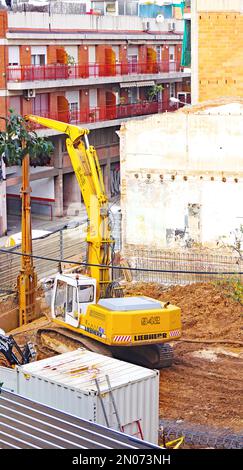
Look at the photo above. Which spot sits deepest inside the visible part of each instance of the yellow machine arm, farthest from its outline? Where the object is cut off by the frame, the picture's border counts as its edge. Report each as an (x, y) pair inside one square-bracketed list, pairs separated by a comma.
[(87, 169)]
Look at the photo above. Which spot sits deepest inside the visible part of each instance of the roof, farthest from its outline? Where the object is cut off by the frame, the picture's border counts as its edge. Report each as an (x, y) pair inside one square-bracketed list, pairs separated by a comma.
[(25, 424), (224, 105), (78, 370), (130, 303)]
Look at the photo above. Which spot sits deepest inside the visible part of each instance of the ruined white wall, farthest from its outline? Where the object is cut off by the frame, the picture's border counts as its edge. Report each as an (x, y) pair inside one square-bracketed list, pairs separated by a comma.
[(174, 162)]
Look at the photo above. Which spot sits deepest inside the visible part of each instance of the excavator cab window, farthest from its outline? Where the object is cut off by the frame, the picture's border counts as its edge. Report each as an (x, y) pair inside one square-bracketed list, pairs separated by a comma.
[(85, 293), (60, 299), (69, 307)]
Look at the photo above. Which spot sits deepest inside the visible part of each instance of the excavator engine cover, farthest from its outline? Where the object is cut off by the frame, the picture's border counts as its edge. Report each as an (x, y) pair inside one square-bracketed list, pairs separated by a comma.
[(131, 321)]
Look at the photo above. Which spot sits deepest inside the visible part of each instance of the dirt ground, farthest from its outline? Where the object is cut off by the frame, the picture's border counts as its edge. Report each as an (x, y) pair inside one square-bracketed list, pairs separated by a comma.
[(205, 384)]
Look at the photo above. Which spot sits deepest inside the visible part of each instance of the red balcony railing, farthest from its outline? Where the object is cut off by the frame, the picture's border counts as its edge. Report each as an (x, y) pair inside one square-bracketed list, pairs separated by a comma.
[(107, 113), (62, 72)]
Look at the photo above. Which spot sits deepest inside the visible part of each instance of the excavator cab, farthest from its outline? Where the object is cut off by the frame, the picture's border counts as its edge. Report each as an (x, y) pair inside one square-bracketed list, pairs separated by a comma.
[(72, 294)]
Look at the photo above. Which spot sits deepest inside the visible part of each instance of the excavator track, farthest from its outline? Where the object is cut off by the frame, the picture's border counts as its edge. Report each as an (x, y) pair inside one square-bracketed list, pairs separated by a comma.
[(59, 340), (154, 356)]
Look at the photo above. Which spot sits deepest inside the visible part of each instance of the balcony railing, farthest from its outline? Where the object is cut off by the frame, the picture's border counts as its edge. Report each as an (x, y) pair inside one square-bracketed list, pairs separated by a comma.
[(32, 73), (107, 113)]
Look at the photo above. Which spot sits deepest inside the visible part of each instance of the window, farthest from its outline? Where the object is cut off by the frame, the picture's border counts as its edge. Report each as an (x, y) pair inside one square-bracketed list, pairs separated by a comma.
[(158, 54), (13, 55), (69, 299), (15, 103), (98, 7), (38, 59), (132, 61), (172, 53), (172, 90), (73, 111), (60, 301), (85, 293), (133, 95), (110, 8), (40, 104), (38, 55)]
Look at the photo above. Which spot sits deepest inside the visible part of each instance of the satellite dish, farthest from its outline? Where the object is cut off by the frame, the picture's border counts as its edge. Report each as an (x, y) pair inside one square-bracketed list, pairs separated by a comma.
[(160, 19)]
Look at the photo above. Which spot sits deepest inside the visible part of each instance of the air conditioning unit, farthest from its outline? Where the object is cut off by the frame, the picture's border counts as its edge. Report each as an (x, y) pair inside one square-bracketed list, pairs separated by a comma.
[(28, 94), (146, 25), (171, 26), (160, 19)]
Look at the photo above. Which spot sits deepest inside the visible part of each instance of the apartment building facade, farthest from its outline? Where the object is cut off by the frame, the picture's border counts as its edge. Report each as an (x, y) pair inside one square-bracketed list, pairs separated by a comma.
[(88, 69), (217, 54)]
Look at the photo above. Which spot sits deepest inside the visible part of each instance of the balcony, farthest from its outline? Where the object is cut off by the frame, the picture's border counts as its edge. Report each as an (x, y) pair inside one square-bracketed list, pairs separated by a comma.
[(108, 113), (32, 73)]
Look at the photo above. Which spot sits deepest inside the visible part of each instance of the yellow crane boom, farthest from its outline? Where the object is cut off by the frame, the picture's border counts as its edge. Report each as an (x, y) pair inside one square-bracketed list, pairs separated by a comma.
[(87, 169)]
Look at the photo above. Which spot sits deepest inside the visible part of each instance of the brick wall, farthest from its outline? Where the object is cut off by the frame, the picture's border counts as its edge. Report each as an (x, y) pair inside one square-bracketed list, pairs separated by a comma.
[(83, 60), (26, 106), (4, 106), (3, 23), (220, 54), (165, 56), (123, 58), (3, 59), (25, 55), (142, 57), (51, 55), (84, 100), (178, 56)]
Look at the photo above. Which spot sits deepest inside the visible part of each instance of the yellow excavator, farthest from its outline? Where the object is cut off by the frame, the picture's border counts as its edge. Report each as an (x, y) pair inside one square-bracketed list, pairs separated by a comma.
[(136, 329)]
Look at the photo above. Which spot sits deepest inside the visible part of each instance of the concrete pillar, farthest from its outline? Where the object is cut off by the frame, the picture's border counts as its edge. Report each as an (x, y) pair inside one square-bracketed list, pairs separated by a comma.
[(58, 188), (58, 180), (3, 209), (72, 195), (107, 177)]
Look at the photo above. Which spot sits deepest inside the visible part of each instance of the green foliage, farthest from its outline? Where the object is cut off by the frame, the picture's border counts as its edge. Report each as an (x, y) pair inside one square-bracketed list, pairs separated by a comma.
[(233, 288), (19, 140), (153, 91), (70, 60)]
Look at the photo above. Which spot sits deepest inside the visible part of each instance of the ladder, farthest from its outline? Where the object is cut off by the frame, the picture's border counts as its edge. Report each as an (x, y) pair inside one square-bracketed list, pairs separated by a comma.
[(139, 432), (121, 427)]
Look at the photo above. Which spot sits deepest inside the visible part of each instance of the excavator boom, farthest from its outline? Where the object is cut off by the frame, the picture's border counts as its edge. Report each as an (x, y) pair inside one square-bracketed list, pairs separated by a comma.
[(87, 169)]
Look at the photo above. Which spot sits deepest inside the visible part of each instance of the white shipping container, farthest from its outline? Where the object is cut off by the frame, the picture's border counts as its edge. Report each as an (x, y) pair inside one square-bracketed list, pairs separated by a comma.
[(67, 382)]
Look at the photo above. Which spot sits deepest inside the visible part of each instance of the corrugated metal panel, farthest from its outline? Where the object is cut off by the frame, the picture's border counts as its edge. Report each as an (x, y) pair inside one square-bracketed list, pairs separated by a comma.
[(25, 424), (67, 382)]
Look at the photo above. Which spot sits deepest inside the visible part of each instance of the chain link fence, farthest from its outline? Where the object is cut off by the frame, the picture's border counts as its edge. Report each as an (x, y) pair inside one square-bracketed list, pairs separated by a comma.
[(184, 267), (68, 244)]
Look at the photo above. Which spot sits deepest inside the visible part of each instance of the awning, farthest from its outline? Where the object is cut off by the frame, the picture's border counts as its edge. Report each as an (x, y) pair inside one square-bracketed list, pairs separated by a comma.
[(137, 84), (127, 84), (147, 83)]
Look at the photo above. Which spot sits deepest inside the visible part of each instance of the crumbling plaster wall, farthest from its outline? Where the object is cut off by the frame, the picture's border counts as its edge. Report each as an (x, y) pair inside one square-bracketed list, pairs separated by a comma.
[(181, 179)]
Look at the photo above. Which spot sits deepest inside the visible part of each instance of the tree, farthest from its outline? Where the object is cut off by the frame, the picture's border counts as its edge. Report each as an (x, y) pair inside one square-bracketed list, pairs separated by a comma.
[(154, 91), (19, 139)]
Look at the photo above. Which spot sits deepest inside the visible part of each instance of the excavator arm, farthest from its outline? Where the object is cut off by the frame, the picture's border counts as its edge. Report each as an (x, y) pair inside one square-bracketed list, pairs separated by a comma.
[(11, 354), (87, 169)]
